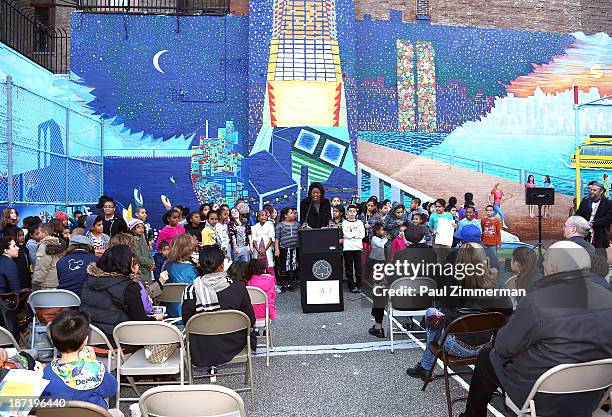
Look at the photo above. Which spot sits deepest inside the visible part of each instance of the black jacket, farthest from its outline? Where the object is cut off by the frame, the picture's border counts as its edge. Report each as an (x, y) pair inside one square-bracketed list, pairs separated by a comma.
[(601, 221), (565, 319), (111, 299), (114, 226), (217, 350), (315, 219)]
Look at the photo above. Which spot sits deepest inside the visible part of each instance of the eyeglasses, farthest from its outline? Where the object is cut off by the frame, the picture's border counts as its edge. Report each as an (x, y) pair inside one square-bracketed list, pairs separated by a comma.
[(109, 206)]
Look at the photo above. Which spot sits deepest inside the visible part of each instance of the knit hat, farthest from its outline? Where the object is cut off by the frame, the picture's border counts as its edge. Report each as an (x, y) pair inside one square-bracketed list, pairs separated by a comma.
[(61, 215), (133, 223), (469, 233)]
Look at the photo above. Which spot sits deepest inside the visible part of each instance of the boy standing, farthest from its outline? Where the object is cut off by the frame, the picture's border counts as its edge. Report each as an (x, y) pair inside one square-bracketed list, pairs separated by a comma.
[(491, 235), (354, 232), (77, 375)]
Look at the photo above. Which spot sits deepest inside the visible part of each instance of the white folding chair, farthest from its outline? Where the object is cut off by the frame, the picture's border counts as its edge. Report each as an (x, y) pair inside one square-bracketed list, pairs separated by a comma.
[(98, 338), (194, 400), (172, 292), (6, 339), (141, 333), (407, 305), (258, 296), (216, 323), (568, 379), (49, 299)]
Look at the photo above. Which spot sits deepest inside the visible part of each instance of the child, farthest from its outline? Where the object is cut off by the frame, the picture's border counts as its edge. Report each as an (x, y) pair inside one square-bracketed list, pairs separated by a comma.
[(35, 235), (145, 261), (337, 218), (438, 214), (418, 219), (49, 250), (286, 247), (221, 229), (239, 271), (160, 258), (353, 231), (141, 214), (260, 278), (263, 240), (172, 227), (399, 243), (194, 225), (77, 375), (377, 253), (209, 233), (95, 232), (491, 235), (394, 221)]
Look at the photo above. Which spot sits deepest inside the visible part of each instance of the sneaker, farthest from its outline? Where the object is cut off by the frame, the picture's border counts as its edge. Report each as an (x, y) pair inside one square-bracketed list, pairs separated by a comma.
[(380, 333), (283, 288), (417, 372), (278, 289)]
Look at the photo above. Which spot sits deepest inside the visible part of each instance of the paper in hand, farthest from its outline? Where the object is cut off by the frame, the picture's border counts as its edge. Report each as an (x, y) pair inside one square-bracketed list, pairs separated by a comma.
[(444, 232)]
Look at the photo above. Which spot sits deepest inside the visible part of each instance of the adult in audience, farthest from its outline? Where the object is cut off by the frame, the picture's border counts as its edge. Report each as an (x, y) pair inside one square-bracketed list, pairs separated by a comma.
[(477, 274), (24, 265), (72, 267), (599, 271), (563, 320), (597, 210), (9, 281), (576, 229), (315, 210), (112, 224), (212, 291), (524, 264), (110, 295)]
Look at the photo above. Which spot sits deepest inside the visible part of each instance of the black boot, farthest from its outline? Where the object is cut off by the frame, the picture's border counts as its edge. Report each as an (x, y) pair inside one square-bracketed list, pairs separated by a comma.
[(417, 372), (380, 333)]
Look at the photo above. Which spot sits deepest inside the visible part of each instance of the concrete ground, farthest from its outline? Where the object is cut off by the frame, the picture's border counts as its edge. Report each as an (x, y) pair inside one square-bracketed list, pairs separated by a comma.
[(327, 364)]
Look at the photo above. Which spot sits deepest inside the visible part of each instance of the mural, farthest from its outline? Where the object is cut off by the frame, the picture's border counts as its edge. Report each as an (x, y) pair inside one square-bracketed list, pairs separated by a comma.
[(173, 94), (301, 125), (497, 103)]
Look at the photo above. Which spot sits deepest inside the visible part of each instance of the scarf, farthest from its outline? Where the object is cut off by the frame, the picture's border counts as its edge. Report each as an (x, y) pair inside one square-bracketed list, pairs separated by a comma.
[(206, 288)]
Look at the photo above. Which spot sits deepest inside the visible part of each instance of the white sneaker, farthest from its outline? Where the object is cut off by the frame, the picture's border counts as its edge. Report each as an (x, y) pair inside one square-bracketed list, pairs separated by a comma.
[(278, 289)]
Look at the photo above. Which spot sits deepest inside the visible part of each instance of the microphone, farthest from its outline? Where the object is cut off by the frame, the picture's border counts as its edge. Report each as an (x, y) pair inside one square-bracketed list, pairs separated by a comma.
[(306, 225)]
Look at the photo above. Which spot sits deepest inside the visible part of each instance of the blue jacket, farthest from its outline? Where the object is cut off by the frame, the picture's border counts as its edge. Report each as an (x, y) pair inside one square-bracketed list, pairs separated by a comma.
[(160, 260), (9, 276), (179, 272), (87, 381), (72, 270)]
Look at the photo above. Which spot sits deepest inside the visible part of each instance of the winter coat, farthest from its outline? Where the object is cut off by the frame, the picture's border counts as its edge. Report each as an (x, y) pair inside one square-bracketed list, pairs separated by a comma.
[(565, 319), (72, 270), (48, 252)]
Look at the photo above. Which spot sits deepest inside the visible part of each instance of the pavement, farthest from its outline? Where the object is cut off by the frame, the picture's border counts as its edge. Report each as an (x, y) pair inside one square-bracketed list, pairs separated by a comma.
[(326, 364)]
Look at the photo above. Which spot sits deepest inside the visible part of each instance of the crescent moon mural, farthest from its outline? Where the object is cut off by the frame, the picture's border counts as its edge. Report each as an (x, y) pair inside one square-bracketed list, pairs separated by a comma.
[(156, 60)]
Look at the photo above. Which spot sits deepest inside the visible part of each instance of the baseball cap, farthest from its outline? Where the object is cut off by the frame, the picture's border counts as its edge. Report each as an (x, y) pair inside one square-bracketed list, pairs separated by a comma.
[(469, 233), (61, 215)]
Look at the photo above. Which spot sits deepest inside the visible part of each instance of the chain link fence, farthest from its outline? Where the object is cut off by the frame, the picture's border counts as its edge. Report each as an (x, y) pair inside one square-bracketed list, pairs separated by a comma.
[(49, 154)]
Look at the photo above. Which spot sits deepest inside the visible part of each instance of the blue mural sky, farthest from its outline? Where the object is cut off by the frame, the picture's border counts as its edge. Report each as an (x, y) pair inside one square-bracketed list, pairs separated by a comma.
[(483, 59), (204, 70)]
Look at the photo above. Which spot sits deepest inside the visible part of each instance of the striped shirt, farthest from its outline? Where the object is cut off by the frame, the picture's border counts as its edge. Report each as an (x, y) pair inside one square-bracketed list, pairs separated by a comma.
[(287, 234)]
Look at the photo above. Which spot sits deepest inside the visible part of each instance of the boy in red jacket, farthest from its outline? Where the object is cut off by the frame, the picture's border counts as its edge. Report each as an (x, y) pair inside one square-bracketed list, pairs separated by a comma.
[(491, 235)]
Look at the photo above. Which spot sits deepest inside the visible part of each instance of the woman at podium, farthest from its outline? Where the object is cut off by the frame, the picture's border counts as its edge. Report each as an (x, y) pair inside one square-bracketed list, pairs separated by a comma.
[(315, 210)]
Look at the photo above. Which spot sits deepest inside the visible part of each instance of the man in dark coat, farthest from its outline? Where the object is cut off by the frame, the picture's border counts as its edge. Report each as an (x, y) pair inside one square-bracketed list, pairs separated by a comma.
[(565, 319), (597, 210)]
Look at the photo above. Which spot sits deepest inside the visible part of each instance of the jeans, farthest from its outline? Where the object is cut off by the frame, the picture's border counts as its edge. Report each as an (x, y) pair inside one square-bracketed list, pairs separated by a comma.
[(491, 251), (451, 344), (498, 210), (241, 254)]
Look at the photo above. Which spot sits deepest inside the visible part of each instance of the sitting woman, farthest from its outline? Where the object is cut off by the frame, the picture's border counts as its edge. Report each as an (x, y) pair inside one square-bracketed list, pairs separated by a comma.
[(475, 274), (525, 264), (110, 295), (212, 291)]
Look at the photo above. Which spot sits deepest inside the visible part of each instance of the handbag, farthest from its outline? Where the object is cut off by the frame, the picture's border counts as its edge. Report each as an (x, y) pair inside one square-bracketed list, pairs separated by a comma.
[(160, 353)]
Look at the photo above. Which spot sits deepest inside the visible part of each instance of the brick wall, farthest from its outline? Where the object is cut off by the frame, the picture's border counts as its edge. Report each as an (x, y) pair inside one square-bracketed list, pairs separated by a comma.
[(589, 16)]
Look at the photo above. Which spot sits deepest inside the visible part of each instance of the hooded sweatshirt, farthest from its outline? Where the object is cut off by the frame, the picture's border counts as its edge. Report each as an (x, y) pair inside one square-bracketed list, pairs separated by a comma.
[(87, 381)]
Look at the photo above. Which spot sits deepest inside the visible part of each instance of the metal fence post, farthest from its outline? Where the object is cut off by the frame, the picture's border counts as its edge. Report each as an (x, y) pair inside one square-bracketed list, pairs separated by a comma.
[(9, 139), (67, 154)]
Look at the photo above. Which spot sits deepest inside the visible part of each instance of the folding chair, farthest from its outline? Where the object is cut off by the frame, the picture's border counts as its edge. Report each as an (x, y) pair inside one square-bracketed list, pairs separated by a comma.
[(216, 323), (172, 293), (49, 299), (140, 333), (258, 296), (407, 305), (195, 400), (569, 379), (6, 338), (98, 338), (74, 409), (471, 323)]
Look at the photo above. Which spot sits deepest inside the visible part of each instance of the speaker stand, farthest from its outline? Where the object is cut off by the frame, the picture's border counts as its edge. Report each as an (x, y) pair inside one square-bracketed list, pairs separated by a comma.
[(540, 230)]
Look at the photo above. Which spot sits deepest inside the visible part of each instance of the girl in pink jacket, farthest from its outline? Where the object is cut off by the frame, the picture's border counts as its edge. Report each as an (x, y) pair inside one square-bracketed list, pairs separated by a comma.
[(260, 278), (171, 219)]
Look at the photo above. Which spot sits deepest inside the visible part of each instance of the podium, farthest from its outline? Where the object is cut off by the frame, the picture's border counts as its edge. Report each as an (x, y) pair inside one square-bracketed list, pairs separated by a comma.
[(321, 270)]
